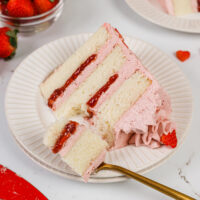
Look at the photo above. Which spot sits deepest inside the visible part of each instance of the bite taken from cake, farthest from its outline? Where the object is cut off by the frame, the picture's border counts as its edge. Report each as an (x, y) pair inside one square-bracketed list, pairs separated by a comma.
[(123, 104)]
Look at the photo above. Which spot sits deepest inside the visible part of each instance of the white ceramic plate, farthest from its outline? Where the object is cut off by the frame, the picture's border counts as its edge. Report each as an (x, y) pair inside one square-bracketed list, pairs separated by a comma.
[(155, 14), (29, 117)]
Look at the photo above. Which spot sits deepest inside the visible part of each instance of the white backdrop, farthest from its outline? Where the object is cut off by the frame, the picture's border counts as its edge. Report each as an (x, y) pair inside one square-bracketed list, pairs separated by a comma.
[(180, 172)]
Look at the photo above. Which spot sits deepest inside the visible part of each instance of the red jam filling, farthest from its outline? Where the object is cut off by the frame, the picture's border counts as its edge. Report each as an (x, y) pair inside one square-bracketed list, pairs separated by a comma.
[(67, 131), (198, 5), (90, 114), (121, 37), (93, 101), (59, 91)]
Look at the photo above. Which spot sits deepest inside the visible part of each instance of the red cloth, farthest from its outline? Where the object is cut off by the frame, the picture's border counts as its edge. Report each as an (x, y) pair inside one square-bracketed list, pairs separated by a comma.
[(14, 187)]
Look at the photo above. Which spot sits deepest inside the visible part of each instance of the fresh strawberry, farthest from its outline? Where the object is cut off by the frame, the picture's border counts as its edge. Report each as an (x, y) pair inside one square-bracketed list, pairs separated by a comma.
[(3, 7), (8, 42), (20, 8), (5, 48), (44, 5), (170, 139), (182, 55), (4, 30)]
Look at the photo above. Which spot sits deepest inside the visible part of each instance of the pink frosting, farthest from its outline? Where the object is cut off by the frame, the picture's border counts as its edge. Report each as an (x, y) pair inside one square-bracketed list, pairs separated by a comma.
[(94, 164), (147, 119), (72, 140), (121, 140)]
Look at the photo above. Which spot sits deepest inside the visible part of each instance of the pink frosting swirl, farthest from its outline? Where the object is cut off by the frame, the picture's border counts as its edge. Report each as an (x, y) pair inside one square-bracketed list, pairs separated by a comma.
[(148, 119)]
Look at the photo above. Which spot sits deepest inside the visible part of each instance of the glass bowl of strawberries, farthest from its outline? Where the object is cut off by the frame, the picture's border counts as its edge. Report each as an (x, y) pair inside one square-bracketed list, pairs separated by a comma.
[(30, 16)]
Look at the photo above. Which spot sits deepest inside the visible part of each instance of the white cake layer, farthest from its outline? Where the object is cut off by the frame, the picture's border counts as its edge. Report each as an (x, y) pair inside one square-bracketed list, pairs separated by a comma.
[(85, 151), (120, 102), (53, 132), (59, 76), (182, 7), (75, 103)]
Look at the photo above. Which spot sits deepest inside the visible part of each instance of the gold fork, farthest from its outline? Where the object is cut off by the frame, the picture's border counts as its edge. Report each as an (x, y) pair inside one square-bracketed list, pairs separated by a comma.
[(153, 184)]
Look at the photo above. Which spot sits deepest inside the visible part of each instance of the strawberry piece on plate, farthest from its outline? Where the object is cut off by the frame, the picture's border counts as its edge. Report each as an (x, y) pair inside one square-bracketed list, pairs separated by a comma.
[(170, 139)]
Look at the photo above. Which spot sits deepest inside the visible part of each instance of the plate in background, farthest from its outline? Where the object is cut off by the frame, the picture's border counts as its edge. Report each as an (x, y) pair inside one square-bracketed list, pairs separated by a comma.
[(156, 15)]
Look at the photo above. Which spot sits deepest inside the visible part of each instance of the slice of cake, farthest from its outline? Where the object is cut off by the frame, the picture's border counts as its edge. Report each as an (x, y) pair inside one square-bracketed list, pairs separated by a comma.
[(180, 7), (106, 83), (81, 148)]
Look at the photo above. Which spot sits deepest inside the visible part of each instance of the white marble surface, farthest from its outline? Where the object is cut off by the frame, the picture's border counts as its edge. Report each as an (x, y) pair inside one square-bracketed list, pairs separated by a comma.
[(181, 172)]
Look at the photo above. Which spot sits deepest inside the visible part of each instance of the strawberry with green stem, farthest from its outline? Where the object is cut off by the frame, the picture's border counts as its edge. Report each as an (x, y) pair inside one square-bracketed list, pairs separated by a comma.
[(8, 43)]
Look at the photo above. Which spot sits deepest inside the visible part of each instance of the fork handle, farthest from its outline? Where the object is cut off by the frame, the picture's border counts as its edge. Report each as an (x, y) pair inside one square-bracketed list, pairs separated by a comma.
[(153, 184)]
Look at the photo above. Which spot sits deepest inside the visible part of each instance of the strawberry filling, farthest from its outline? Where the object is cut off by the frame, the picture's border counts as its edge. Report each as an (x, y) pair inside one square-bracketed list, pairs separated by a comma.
[(121, 37), (170, 139), (93, 101), (59, 91), (67, 131), (198, 2), (90, 114)]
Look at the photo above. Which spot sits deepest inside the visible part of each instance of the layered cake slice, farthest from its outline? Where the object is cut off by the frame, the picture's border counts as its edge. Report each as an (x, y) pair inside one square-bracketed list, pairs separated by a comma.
[(81, 148), (105, 83), (180, 7)]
